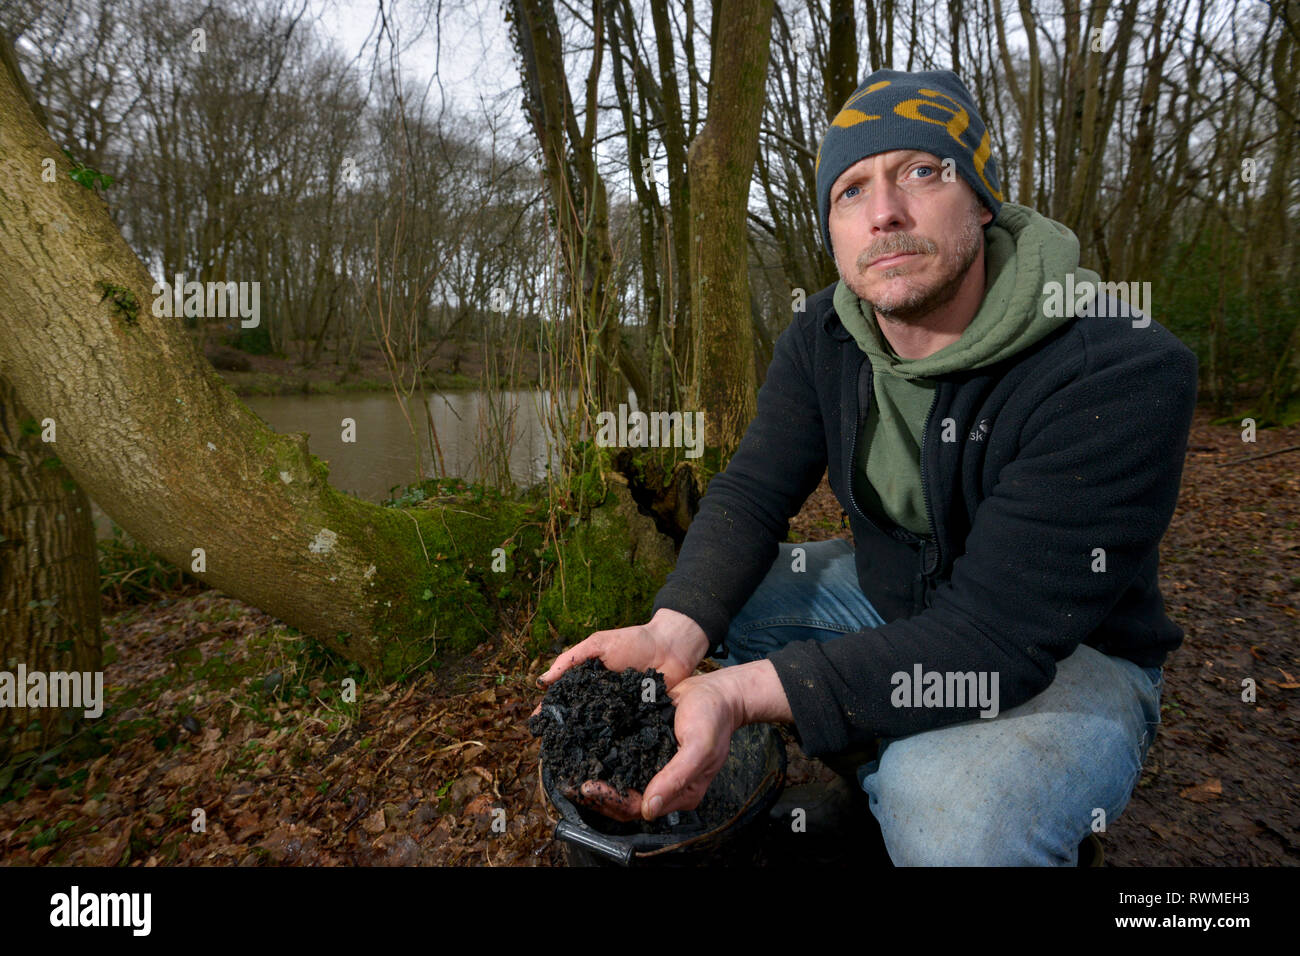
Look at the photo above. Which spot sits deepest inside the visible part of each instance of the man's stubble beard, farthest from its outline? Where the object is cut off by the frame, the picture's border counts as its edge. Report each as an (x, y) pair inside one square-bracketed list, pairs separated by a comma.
[(915, 303)]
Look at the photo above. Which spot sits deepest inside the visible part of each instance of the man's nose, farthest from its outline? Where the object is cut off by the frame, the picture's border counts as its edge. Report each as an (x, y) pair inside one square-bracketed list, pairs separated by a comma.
[(886, 207)]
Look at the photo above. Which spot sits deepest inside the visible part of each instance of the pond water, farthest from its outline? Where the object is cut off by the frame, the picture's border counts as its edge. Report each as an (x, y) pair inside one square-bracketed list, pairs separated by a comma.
[(384, 454)]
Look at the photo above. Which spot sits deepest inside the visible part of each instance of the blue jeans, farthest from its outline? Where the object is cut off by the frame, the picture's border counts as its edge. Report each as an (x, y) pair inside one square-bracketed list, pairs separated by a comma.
[(1020, 789)]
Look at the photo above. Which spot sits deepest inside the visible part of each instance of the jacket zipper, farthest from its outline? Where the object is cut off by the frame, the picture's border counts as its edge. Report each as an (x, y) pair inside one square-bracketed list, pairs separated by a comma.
[(925, 489), (860, 418)]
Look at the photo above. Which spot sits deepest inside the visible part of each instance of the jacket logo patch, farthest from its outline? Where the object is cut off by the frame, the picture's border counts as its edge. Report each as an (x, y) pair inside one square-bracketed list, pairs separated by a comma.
[(981, 430)]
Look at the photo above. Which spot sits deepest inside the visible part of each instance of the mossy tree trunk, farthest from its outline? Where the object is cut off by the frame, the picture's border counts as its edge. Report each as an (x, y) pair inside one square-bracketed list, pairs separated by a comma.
[(147, 428), (721, 164)]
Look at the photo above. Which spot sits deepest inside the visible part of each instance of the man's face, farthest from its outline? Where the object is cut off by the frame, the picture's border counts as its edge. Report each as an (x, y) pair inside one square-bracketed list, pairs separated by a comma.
[(909, 237)]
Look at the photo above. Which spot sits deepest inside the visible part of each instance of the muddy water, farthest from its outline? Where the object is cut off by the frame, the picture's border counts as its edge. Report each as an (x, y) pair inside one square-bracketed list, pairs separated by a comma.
[(384, 453)]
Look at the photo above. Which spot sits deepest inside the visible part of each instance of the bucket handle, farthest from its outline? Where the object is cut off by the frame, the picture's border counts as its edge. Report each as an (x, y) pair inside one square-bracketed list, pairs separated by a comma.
[(616, 850)]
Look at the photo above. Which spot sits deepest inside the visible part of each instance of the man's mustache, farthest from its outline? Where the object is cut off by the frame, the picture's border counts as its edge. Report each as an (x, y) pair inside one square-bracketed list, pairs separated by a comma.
[(896, 245)]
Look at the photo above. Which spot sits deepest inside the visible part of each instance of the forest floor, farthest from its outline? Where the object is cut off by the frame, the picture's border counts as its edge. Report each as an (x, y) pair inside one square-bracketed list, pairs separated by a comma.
[(228, 738)]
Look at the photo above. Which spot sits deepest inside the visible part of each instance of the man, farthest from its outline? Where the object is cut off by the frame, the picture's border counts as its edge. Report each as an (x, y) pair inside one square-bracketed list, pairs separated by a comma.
[(1009, 462)]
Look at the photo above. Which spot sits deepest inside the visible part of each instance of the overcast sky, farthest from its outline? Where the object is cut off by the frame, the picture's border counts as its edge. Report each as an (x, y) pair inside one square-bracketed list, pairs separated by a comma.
[(475, 62), (473, 57)]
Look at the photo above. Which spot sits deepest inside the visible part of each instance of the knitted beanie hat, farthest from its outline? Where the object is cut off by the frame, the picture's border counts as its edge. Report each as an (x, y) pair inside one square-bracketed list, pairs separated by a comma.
[(931, 111)]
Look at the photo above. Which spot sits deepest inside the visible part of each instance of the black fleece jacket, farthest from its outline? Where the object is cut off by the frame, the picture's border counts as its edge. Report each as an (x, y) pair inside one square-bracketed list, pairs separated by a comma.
[(1076, 443)]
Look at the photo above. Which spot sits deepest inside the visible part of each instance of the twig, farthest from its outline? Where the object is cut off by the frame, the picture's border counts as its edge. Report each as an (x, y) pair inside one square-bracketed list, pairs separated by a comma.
[(402, 745), (418, 534), (1266, 454)]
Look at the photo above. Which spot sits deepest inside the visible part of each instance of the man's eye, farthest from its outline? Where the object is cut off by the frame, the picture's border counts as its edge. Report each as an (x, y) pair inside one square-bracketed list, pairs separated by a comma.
[(929, 170), (849, 193)]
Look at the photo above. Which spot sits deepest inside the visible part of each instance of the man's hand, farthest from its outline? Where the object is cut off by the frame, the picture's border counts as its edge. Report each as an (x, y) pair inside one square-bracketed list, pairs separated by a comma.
[(710, 707), (671, 643)]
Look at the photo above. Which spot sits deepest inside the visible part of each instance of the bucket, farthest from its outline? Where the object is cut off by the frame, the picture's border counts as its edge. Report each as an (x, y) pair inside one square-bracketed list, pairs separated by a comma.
[(725, 829), (1090, 852)]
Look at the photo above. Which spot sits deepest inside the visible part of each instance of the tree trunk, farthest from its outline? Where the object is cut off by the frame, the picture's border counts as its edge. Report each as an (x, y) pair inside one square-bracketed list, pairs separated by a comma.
[(150, 431), (677, 130), (49, 574), (721, 163), (840, 77), (576, 188)]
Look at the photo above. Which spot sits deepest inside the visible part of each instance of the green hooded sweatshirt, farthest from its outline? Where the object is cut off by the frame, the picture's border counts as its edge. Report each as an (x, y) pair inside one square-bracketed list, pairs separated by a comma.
[(1023, 251)]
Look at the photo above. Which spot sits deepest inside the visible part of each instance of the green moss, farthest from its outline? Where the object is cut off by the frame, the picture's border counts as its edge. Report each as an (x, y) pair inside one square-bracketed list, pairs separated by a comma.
[(434, 594), (320, 470), (613, 565), (125, 303), (588, 486), (436, 597)]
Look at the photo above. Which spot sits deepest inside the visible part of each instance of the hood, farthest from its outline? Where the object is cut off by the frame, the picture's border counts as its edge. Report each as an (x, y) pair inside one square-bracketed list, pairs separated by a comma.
[(1023, 251)]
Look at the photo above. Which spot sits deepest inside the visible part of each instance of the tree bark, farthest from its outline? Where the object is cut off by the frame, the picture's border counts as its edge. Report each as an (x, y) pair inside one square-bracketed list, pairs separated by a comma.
[(1028, 101), (840, 77), (576, 188), (49, 562), (721, 163), (49, 574), (676, 135)]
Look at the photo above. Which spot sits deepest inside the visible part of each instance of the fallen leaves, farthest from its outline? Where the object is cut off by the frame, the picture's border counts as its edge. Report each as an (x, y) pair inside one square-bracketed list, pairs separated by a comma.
[(375, 822), (414, 778), (1230, 576), (1203, 791)]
